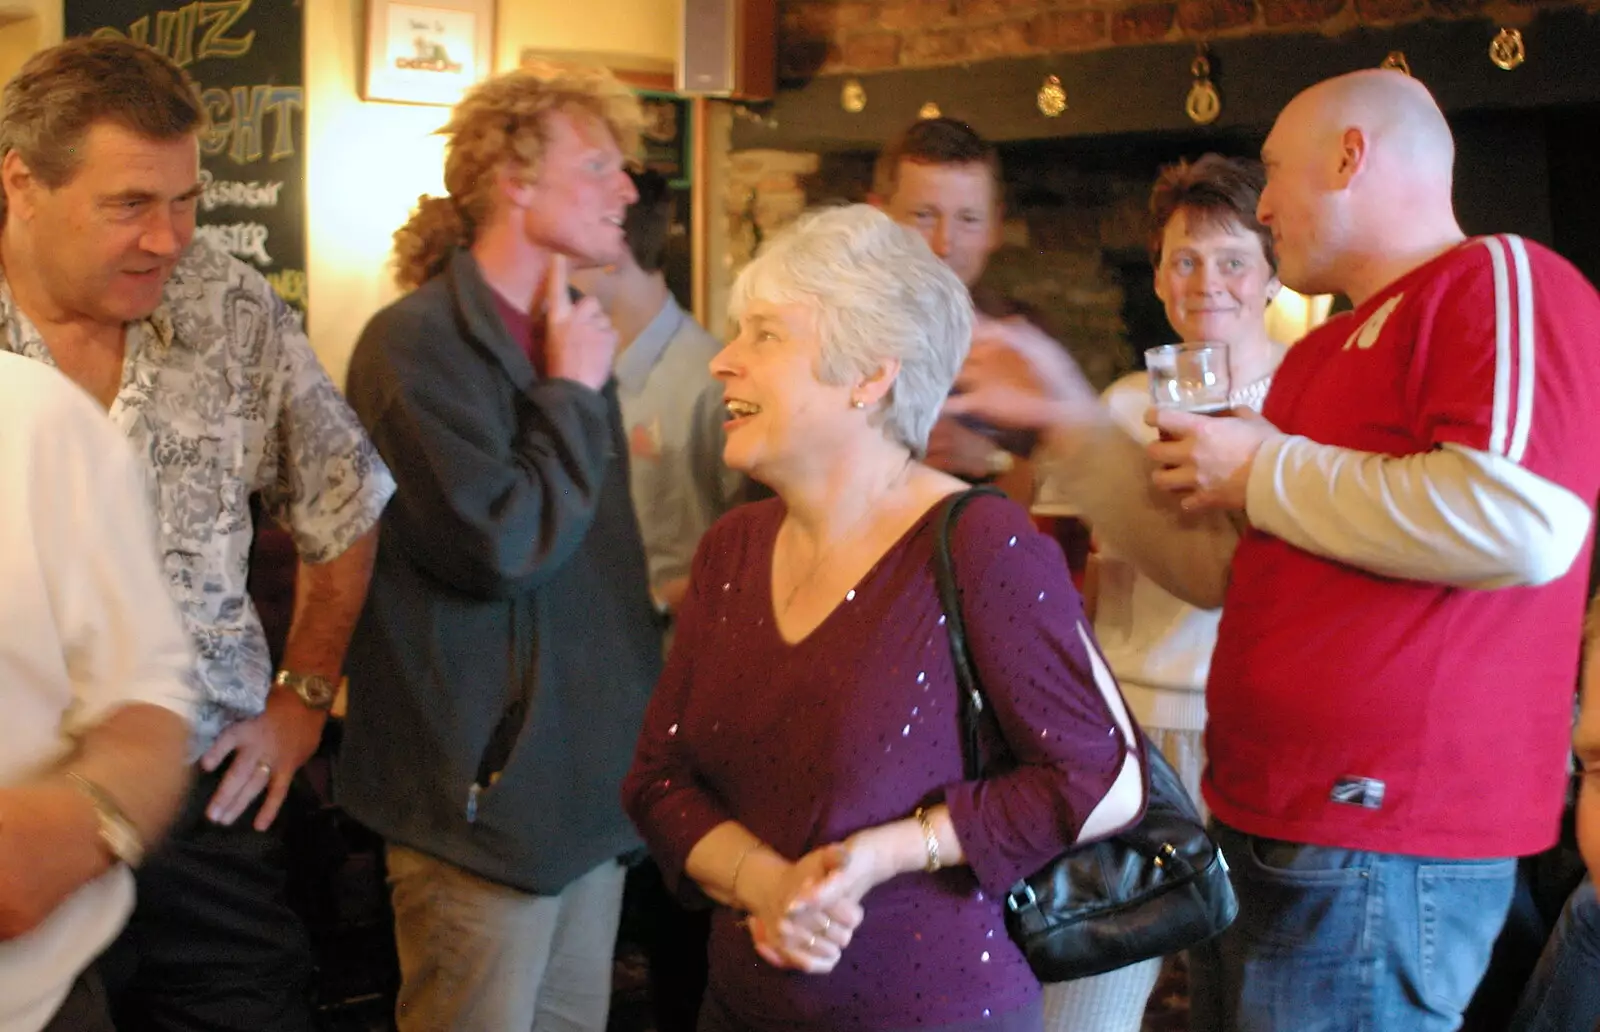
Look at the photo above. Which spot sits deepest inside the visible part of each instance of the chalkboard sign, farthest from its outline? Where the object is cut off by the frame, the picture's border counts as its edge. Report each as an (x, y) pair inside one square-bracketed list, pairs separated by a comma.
[(246, 59)]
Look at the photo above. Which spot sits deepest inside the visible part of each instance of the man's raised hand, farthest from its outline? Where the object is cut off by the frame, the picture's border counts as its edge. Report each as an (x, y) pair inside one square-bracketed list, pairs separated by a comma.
[(580, 342)]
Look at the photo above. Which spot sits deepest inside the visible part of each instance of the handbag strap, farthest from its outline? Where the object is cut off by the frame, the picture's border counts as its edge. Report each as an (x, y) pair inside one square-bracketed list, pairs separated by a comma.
[(944, 576)]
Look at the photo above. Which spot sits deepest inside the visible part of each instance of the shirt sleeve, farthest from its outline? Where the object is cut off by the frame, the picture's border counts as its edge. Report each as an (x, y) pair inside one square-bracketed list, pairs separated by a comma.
[(1079, 764), (1127, 400), (709, 493), (1506, 362), (1473, 385), (1453, 515), (121, 636), (1108, 478), (669, 805), (330, 486), (1500, 408)]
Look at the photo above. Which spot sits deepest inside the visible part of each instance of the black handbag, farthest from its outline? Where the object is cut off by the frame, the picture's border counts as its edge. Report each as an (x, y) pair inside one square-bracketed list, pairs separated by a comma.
[(1156, 888)]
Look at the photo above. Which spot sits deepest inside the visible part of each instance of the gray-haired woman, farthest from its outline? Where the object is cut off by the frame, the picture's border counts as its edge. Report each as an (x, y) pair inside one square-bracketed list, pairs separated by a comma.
[(801, 761)]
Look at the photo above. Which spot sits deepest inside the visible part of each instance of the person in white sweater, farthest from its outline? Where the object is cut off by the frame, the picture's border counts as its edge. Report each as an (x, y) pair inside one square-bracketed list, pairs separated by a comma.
[(97, 688), (1215, 273)]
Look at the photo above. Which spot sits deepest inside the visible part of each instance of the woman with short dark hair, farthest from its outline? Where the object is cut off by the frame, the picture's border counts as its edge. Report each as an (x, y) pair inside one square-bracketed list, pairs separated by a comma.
[(1215, 273)]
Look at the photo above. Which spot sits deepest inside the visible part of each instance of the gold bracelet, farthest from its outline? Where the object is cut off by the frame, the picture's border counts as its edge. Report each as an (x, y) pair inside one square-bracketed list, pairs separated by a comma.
[(733, 884), (930, 839)]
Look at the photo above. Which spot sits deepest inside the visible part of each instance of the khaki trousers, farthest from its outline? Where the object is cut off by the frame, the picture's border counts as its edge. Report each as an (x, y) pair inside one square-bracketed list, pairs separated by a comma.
[(477, 956)]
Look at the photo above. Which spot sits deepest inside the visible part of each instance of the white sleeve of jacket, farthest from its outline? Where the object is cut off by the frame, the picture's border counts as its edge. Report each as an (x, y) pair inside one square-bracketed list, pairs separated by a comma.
[(1452, 515), (1108, 479)]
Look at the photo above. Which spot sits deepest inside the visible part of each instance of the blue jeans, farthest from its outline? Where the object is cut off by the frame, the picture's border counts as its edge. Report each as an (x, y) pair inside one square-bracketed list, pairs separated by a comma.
[(1564, 993), (1340, 940)]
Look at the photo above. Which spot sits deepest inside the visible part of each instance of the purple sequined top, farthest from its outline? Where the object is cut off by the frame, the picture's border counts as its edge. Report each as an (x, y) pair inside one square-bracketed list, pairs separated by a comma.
[(858, 724)]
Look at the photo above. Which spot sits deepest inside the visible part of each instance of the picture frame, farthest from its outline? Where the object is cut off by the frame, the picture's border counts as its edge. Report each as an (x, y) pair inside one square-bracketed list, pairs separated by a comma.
[(668, 132), (427, 51)]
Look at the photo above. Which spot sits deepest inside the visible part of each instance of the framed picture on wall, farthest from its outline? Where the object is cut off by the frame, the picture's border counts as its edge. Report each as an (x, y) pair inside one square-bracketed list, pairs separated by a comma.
[(427, 52), (666, 136)]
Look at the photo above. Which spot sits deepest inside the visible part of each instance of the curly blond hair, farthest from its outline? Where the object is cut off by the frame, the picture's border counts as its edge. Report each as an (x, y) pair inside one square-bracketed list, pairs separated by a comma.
[(502, 121)]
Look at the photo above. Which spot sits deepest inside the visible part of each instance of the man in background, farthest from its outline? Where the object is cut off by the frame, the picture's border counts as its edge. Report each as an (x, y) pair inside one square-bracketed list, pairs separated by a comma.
[(671, 405), (943, 180)]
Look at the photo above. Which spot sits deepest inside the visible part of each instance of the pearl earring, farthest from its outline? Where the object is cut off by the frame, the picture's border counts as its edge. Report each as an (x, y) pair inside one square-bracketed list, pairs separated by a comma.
[(857, 403)]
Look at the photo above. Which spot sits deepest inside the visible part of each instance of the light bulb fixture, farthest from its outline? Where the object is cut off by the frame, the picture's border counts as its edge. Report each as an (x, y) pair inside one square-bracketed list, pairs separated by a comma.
[(1052, 97), (853, 98), (1396, 61), (1506, 50), (1203, 104)]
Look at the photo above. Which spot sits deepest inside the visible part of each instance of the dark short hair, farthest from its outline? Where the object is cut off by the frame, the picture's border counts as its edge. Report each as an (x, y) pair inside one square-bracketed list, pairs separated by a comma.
[(649, 219), (934, 141), (1211, 191), (60, 93)]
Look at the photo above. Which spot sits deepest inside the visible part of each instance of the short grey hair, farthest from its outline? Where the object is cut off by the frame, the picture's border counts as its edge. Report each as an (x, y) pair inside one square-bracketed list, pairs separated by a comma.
[(880, 294)]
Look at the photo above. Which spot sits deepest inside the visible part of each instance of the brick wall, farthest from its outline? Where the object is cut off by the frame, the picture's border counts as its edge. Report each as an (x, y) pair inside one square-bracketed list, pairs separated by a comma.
[(1074, 245), (825, 36)]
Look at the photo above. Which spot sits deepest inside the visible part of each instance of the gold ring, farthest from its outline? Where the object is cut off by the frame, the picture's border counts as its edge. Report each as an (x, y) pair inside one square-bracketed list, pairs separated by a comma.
[(827, 923), (811, 942), (265, 768)]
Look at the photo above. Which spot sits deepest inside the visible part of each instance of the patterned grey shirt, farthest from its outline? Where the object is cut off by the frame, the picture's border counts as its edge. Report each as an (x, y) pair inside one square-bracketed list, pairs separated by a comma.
[(222, 397)]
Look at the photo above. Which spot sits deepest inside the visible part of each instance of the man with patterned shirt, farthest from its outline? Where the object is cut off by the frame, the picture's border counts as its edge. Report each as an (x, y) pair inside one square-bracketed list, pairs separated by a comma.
[(1402, 540), (208, 375)]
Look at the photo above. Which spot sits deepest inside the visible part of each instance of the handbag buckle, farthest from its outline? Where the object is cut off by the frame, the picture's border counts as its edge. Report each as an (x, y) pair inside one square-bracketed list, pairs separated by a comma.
[(1025, 894), (1164, 853)]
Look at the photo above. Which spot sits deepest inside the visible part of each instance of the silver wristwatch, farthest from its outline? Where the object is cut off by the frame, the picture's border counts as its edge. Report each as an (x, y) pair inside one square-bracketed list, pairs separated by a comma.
[(116, 832), (316, 691)]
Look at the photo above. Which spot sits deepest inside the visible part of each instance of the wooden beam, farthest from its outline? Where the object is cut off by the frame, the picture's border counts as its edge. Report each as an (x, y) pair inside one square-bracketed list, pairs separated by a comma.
[(637, 70), (700, 213), (1142, 89)]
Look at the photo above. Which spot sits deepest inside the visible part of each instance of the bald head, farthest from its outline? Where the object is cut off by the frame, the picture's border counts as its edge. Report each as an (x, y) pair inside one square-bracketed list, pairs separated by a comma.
[(1359, 167), (1404, 128)]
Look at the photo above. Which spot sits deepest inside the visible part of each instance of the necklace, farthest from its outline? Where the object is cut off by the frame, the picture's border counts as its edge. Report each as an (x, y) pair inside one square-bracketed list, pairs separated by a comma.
[(847, 535)]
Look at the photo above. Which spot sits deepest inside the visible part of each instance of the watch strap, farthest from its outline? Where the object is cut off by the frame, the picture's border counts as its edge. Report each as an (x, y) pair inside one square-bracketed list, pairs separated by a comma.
[(117, 832)]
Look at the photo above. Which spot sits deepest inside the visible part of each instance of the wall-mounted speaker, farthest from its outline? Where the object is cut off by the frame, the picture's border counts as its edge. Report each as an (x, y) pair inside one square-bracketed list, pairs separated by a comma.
[(729, 48)]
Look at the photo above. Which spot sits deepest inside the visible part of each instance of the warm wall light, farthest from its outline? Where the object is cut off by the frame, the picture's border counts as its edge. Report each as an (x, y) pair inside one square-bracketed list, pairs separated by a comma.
[(1291, 315), (366, 166)]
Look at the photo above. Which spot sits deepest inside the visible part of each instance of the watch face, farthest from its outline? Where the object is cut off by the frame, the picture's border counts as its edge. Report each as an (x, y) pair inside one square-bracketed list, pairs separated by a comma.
[(317, 691)]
